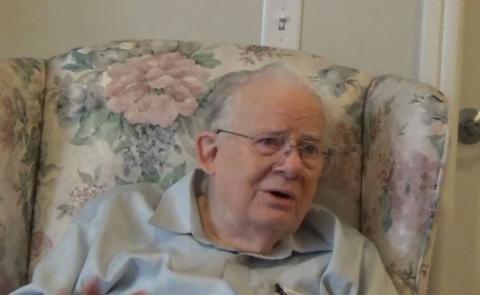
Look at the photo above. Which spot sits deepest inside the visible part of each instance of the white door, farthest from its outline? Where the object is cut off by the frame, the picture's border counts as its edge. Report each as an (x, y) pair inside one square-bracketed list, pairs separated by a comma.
[(467, 184), (451, 61)]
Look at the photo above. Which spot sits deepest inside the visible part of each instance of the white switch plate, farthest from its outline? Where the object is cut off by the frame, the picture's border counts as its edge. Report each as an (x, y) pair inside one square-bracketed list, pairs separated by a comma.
[(273, 11)]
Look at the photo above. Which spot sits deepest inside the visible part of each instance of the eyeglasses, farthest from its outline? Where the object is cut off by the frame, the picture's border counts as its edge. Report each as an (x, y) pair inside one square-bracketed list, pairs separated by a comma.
[(312, 153)]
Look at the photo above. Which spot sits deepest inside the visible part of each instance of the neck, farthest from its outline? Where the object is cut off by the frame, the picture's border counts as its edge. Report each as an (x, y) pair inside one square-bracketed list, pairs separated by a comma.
[(240, 237)]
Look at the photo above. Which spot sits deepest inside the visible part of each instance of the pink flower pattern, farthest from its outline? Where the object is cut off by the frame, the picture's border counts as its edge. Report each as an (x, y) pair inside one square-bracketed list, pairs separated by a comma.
[(414, 185), (155, 89), (80, 195)]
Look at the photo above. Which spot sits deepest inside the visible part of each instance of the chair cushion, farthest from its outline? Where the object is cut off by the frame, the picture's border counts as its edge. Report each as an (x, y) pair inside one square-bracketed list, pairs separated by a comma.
[(21, 97), (95, 139)]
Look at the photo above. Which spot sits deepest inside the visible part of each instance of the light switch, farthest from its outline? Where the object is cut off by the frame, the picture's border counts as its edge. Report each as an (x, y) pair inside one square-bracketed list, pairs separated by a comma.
[(282, 23)]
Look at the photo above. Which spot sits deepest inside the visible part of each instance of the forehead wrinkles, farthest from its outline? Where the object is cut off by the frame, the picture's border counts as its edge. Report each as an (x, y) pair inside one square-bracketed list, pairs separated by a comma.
[(288, 104), (303, 122)]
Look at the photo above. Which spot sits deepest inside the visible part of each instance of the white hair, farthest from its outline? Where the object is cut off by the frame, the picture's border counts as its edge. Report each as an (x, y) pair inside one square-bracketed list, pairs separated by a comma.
[(227, 88)]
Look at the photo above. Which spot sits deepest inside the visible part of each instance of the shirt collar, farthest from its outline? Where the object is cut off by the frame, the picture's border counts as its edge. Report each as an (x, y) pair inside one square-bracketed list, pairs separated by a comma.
[(178, 212)]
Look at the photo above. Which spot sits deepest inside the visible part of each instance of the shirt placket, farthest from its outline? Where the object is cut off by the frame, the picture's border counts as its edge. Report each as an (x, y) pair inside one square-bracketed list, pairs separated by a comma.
[(236, 273)]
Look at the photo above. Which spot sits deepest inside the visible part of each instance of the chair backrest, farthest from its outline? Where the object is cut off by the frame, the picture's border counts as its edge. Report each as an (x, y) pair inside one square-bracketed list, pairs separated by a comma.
[(94, 140)]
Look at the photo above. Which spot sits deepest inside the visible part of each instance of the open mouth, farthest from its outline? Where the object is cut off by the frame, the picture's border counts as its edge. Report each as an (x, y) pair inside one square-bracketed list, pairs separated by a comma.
[(280, 194)]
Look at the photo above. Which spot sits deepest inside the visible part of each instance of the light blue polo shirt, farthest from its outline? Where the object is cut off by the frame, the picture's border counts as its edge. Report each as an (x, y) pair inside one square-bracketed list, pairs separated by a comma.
[(137, 239)]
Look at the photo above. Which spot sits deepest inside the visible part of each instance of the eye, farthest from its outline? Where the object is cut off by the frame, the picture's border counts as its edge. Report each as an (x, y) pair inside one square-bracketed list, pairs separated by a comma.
[(268, 145), (270, 141), (309, 149)]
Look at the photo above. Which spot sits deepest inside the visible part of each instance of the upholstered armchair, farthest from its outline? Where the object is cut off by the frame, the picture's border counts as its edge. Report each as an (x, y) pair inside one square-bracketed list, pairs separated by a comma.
[(70, 129)]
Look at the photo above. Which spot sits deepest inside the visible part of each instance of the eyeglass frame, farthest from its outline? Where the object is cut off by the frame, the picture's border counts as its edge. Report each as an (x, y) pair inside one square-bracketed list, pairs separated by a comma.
[(330, 154)]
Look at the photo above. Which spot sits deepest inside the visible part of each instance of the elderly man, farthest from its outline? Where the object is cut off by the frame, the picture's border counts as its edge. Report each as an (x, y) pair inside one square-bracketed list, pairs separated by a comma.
[(243, 223)]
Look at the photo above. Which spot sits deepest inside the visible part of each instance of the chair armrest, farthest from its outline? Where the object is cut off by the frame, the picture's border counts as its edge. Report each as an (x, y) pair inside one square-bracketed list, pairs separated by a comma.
[(22, 83), (405, 142)]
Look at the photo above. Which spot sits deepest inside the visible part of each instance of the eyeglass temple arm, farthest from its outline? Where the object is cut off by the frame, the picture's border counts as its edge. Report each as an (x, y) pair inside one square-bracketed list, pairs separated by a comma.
[(234, 133)]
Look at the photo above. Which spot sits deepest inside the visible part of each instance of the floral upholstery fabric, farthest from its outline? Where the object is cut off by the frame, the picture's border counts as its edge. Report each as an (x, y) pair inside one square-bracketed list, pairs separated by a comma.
[(405, 137), (128, 112), (22, 84)]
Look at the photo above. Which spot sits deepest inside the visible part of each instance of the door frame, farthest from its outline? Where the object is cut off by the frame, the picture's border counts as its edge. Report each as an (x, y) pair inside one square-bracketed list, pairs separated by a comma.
[(440, 64)]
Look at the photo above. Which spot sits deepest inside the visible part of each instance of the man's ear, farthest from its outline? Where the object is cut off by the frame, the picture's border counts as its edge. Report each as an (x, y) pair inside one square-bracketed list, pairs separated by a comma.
[(206, 147)]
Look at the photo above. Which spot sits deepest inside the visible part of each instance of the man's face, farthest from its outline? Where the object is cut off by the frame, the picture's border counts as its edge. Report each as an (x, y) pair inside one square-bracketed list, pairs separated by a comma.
[(250, 189)]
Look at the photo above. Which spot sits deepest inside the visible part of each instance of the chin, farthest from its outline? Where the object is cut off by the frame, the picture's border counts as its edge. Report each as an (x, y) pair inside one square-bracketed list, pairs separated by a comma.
[(279, 223)]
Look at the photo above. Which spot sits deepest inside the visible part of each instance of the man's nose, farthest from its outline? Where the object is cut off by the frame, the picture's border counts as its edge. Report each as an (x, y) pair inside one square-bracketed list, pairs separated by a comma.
[(291, 163)]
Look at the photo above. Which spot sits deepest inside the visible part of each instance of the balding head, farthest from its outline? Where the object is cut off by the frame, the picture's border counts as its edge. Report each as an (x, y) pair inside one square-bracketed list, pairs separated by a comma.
[(232, 88)]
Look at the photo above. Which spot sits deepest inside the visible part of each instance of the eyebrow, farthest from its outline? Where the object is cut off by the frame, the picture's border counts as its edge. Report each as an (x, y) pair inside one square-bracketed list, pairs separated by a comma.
[(311, 138), (272, 132), (303, 137)]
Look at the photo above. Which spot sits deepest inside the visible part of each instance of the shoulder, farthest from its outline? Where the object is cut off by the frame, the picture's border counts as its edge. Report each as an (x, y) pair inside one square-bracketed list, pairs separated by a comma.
[(345, 241), (332, 228), (131, 197), (355, 261)]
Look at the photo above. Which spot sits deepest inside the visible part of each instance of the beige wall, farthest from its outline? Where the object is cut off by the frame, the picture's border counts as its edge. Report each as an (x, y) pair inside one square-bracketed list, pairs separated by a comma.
[(471, 55), (46, 27), (380, 36)]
